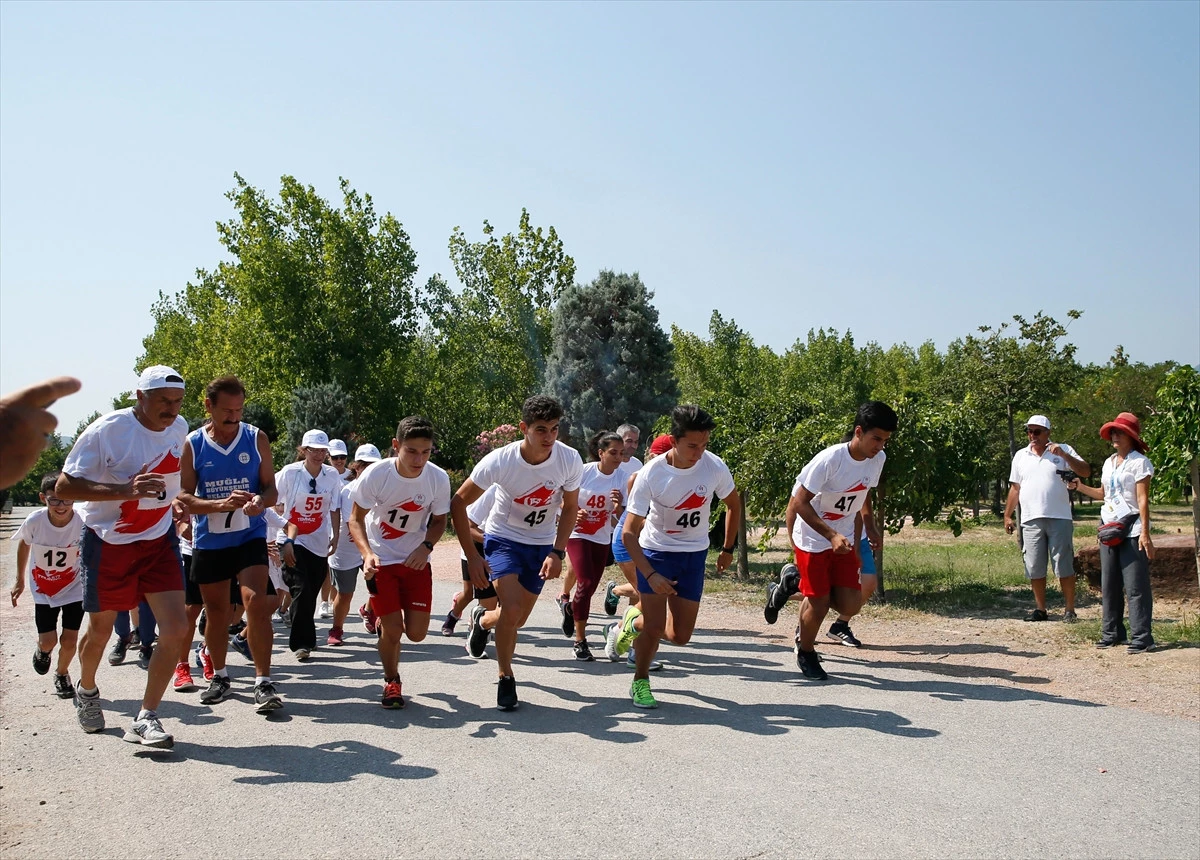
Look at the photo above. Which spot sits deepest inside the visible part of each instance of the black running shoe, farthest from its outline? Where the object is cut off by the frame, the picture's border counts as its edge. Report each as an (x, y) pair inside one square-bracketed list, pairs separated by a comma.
[(145, 652), (583, 653), (1037, 615), (448, 625), (506, 694), (117, 655), (778, 593), (477, 640), (63, 688), (218, 690), (611, 601), (810, 665), (839, 631), (568, 621), (236, 628), (202, 622), (266, 698), (41, 660)]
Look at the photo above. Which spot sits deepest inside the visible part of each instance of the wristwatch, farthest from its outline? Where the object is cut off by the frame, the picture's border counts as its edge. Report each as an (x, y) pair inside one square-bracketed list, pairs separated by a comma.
[(427, 545), (729, 549), (558, 552)]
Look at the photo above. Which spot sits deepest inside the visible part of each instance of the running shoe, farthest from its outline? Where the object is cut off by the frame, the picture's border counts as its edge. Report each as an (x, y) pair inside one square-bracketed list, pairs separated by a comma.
[(810, 665), (149, 732), (583, 653), (89, 712), (135, 638), (1138, 648), (368, 617), (839, 631), (779, 592), (568, 620), (202, 622), (335, 636), (266, 698), (506, 693), (240, 644), (631, 662), (628, 631), (63, 688), (236, 627), (183, 682), (203, 661), (326, 611), (448, 624), (145, 652), (477, 640), (1110, 643), (393, 697), (1037, 615), (611, 632), (302, 654), (41, 660), (218, 690), (117, 655), (280, 617), (611, 600), (1069, 617), (639, 691)]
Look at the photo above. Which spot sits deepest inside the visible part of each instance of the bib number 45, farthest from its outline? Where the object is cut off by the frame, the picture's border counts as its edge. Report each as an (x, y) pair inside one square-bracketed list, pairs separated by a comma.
[(535, 518)]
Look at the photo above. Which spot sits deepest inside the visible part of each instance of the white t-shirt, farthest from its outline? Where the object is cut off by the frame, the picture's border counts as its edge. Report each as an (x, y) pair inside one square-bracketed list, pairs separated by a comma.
[(53, 574), (112, 450), (478, 510), (1043, 493), (307, 508), (631, 467), (528, 497), (399, 508), (839, 485), (676, 502), (595, 502), (346, 556), (1120, 488)]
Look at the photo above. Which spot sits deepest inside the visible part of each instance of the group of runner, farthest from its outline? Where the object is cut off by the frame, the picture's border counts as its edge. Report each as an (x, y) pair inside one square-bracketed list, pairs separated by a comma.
[(201, 522)]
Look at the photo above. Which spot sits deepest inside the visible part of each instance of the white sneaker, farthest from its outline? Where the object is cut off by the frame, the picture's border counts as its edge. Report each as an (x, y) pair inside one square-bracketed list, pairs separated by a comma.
[(326, 611), (149, 732), (610, 642)]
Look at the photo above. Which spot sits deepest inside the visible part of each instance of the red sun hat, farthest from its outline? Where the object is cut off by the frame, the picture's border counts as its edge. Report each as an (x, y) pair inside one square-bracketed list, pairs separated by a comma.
[(1128, 424), (661, 445)]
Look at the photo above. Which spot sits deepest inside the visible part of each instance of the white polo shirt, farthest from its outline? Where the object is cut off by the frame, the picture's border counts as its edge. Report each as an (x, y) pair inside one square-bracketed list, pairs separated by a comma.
[(1043, 494)]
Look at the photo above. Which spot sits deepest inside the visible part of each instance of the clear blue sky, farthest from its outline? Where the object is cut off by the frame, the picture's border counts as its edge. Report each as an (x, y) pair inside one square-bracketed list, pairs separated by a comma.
[(905, 171)]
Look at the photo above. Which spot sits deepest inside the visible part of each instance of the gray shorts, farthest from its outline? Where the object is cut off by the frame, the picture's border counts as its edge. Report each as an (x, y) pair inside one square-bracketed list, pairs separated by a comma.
[(1049, 540), (344, 580)]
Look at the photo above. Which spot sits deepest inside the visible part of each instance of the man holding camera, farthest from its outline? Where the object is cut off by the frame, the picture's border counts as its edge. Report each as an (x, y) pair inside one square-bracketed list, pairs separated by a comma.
[(1038, 480)]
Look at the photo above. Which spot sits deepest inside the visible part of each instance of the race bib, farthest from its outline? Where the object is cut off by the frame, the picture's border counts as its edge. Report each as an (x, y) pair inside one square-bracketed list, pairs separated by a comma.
[(595, 514), (528, 516), (165, 497), (224, 522), (307, 515), (53, 567)]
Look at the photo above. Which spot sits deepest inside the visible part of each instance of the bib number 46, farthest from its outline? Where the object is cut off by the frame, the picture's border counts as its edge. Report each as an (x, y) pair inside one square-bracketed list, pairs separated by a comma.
[(689, 521)]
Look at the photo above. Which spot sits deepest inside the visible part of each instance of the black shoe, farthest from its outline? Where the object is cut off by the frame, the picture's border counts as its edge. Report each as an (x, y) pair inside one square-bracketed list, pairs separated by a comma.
[(202, 623), (1140, 649), (583, 653), (145, 652), (568, 622), (266, 698), (63, 688), (448, 625), (1110, 643), (778, 593), (218, 689), (611, 601), (810, 665), (477, 640), (839, 631), (135, 638), (236, 628), (1037, 615), (41, 660), (117, 655), (506, 694)]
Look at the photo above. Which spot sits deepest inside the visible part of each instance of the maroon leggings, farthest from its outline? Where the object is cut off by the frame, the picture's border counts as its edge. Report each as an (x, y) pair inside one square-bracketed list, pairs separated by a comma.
[(587, 560)]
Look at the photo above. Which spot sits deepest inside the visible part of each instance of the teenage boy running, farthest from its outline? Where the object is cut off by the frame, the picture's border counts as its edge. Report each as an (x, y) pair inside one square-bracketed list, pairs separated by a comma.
[(523, 544)]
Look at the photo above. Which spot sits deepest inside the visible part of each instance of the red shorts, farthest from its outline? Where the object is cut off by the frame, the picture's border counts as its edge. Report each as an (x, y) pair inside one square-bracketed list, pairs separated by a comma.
[(822, 571), (118, 575), (398, 587)]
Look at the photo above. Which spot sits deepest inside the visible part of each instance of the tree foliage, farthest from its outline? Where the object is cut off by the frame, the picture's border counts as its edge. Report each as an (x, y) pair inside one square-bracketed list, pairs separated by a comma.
[(320, 407), (610, 361), (1173, 433)]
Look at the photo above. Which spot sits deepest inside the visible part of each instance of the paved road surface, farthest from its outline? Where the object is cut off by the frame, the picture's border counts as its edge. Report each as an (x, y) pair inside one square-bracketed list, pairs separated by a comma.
[(742, 759)]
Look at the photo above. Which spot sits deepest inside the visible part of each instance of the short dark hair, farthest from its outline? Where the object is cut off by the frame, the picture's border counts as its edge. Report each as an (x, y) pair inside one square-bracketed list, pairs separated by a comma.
[(414, 427), (48, 481), (602, 439), (230, 385), (541, 408), (687, 418), (875, 415)]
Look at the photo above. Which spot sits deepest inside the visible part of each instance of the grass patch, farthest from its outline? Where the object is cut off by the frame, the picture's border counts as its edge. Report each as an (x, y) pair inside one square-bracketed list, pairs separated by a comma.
[(1182, 631)]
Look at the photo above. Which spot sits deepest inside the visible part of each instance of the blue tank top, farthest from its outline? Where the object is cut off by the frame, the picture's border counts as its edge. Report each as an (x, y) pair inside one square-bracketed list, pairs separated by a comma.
[(220, 471)]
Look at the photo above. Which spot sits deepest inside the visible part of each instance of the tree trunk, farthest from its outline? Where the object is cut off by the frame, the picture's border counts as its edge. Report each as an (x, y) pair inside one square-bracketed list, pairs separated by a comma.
[(1196, 511), (743, 564), (877, 515), (980, 489)]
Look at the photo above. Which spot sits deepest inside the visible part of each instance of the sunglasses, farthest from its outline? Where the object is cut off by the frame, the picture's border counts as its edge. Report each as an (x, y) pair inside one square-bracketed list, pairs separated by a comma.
[(312, 485), (337, 456), (1035, 431)]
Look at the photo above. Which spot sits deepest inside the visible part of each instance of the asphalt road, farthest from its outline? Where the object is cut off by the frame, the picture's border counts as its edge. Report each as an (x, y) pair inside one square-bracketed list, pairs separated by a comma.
[(743, 758)]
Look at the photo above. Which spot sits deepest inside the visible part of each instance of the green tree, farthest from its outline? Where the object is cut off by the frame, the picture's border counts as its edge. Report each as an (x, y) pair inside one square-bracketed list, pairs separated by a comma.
[(313, 294), (319, 407), (610, 362), (1173, 437)]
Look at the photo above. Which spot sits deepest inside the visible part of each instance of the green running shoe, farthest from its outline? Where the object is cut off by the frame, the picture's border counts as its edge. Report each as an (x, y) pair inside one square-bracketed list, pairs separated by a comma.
[(628, 631), (642, 697)]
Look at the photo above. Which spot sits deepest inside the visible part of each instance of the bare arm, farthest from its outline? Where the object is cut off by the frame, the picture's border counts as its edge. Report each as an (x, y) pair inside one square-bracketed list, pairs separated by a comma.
[(476, 565), (552, 565), (1091, 492), (733, 519), (1010, 506), (22, 563), (629, 537), (75, 489), (419, 557), (808, 513), (1078, 466), (1143, 500), (358, 536)]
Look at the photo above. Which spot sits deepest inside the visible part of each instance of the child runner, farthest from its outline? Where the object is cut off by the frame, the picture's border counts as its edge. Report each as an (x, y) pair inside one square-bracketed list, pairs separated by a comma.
[(523, 544), (477, 513), (48, 552), (400, 507), (666, 534)]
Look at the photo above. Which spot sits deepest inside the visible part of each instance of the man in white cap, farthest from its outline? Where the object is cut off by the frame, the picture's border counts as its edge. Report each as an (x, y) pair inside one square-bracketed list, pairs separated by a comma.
[(308, 491), (1038, 481), (125, 469), (346, 560), (338, 455)]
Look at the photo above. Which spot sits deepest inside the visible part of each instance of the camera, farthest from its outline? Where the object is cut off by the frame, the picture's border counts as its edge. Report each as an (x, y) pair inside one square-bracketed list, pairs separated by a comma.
[(1067, 475)]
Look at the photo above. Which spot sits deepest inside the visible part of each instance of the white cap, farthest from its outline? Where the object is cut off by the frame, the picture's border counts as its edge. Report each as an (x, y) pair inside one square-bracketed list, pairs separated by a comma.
[(159, 376), (315, 439), (337, 448), (1038, 421), (367, 454)]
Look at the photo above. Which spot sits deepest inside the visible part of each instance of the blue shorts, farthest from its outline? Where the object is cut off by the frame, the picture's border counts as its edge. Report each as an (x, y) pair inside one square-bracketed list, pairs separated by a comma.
[(507, 557), (620, 555), (866, 558), (685, 569)]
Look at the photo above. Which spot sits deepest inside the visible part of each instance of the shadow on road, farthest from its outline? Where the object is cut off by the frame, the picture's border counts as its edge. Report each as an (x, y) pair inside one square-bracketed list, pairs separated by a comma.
[(332, 762)]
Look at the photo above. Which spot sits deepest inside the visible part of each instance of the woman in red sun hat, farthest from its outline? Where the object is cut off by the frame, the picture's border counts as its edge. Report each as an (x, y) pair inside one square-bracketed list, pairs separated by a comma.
[(1125, 565)]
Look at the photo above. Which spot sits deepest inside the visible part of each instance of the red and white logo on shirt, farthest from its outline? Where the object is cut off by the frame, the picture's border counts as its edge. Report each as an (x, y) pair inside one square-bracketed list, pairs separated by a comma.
[(141, 515), (693, 502)]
